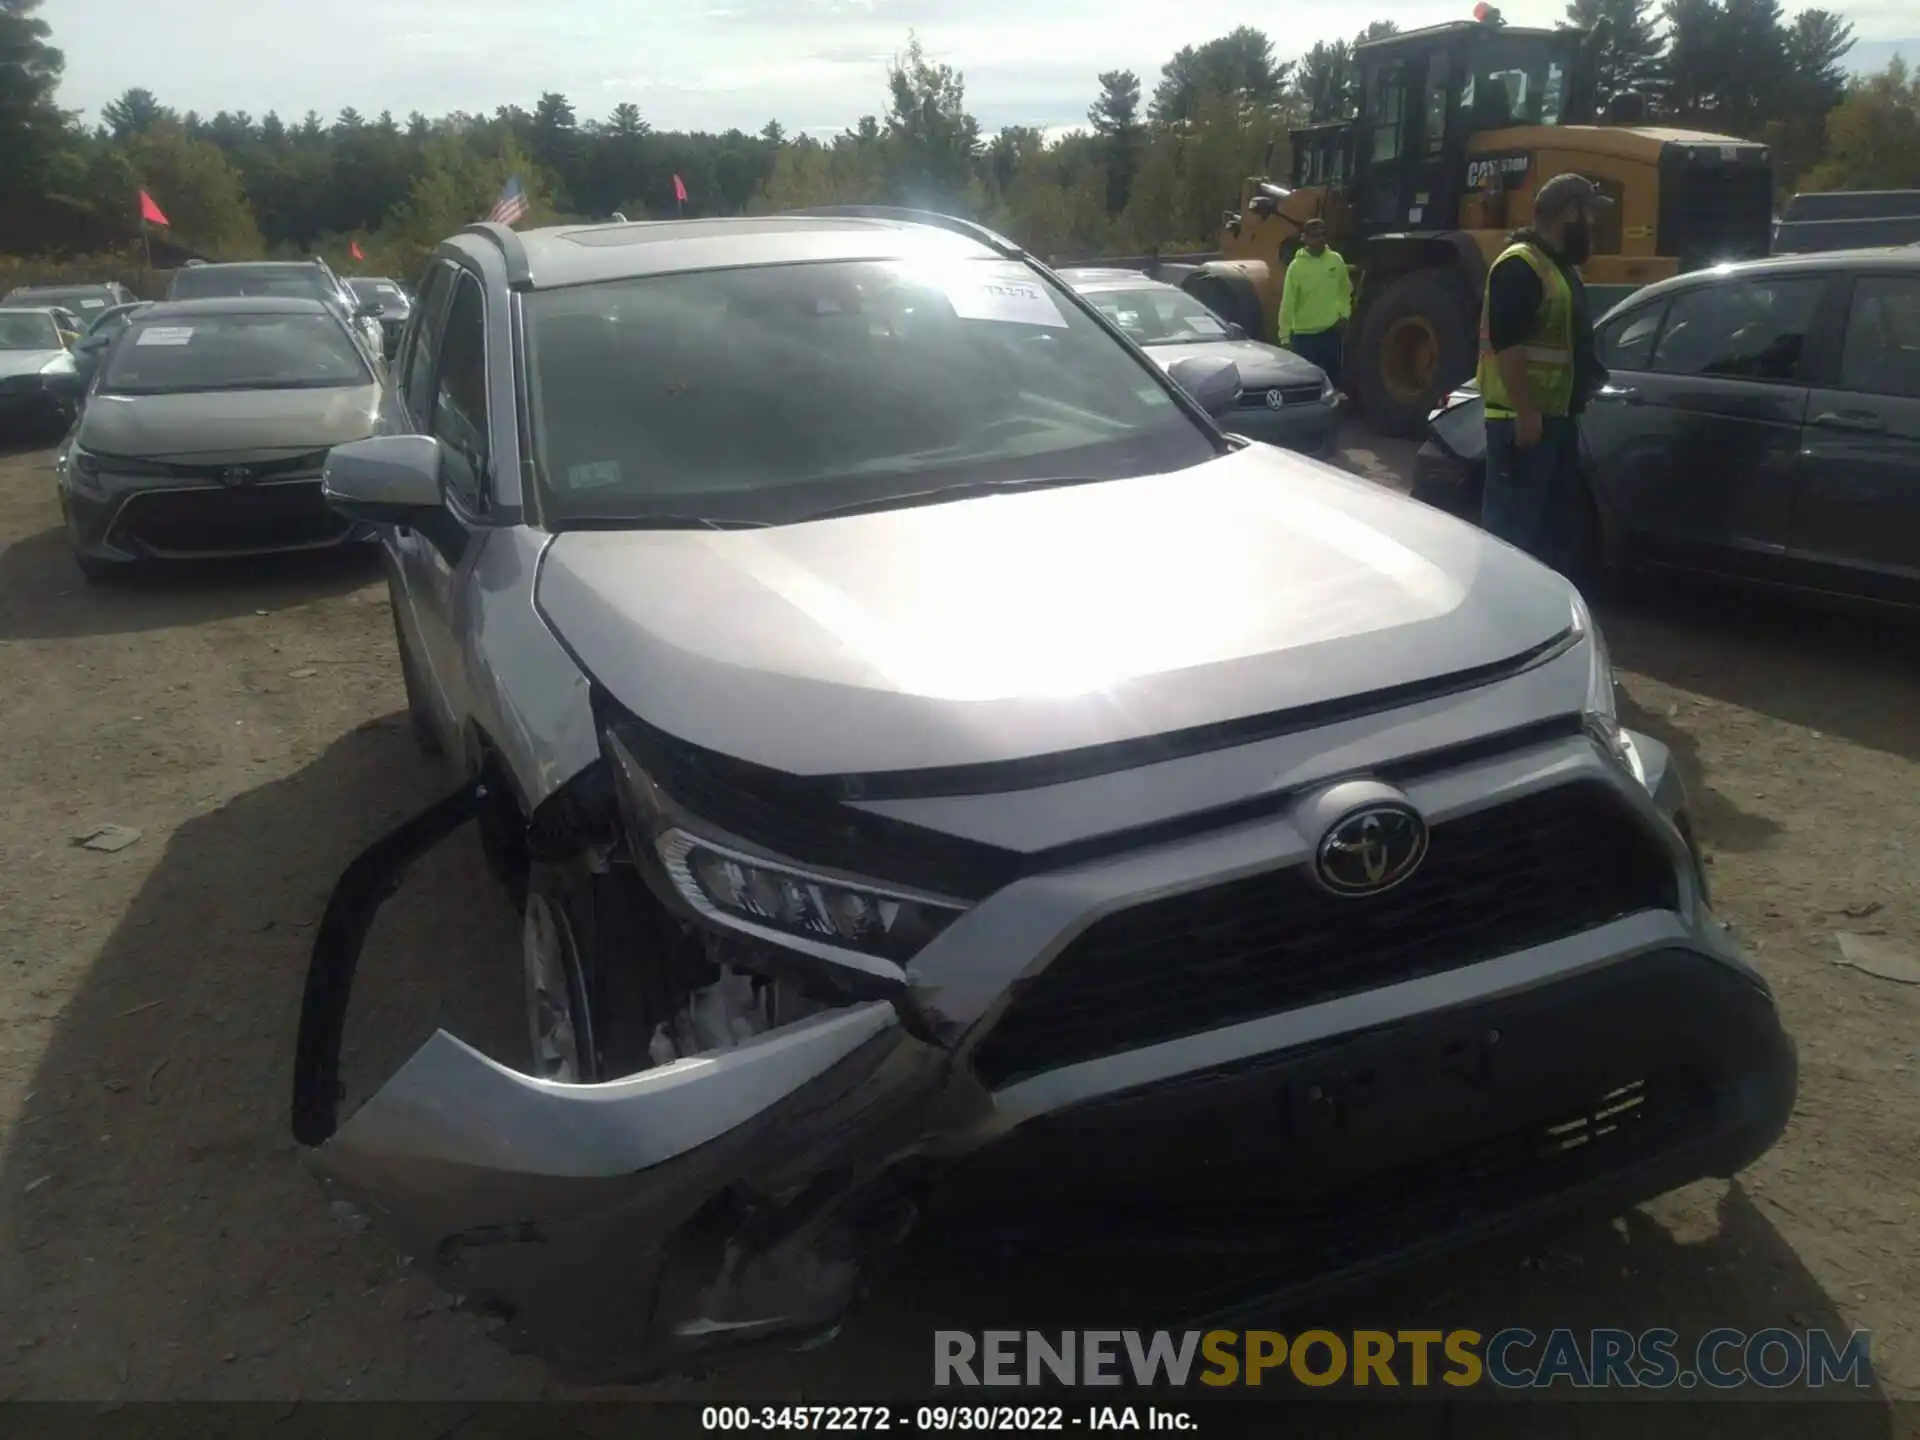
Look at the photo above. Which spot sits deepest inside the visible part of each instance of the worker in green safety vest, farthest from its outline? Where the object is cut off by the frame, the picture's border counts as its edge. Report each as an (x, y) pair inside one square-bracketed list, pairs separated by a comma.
[(1538, 368)]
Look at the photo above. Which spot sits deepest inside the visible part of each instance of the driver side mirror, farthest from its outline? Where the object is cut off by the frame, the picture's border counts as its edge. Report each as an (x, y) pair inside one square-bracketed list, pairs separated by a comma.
[(387, 480), (1214, 383)]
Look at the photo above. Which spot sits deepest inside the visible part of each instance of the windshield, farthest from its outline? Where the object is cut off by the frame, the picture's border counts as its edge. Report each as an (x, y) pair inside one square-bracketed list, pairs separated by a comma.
[(770, 393), (212, 282), (1515, 80), (234, 352), (28, 330), (87, 299), (1159, 315), (376, 292)]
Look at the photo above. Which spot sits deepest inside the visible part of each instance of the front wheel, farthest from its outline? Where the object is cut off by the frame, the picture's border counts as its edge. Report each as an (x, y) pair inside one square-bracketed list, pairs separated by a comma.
[(1415, 343), (591, 955), (559, 1004)]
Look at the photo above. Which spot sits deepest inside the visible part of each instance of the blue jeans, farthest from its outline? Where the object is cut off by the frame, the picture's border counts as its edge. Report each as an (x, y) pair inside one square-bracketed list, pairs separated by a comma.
[(1531, 491)]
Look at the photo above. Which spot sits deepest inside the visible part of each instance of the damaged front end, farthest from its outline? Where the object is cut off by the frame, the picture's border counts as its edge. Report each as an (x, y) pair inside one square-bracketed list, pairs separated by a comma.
[(753, 1116)]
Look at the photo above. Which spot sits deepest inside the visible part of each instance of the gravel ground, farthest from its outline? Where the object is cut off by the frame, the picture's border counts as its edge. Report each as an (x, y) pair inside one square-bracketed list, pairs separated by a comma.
[(158, 1237)]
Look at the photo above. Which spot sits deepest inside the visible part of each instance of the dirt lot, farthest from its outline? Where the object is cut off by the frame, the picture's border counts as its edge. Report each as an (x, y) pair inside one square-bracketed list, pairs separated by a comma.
[(159, 1238)]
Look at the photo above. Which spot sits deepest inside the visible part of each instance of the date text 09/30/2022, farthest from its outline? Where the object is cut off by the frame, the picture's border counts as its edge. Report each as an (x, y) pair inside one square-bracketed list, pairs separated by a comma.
[(940, 1419)]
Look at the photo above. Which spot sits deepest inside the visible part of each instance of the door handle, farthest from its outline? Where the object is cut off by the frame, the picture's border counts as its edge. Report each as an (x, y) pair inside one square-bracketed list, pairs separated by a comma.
[(1861, 420), (1625, 394)]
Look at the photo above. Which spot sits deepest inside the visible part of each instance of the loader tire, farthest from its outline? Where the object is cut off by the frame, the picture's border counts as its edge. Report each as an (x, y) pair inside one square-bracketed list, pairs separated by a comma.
[(1416, 342)]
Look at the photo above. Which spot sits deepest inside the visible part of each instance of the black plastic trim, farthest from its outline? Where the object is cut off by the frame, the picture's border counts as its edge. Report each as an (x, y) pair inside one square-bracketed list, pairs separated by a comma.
[(513, 251)]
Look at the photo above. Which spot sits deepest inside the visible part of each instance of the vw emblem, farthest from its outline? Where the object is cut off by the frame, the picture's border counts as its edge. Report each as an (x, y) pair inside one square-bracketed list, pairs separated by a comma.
[(1275, 400), (236, 475), (1371, 849)]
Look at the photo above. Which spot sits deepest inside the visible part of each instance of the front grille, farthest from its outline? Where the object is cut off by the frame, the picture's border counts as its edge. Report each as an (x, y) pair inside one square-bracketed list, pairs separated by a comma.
[(1499, 880), (281, 516), (206, 474), (1289, 395)]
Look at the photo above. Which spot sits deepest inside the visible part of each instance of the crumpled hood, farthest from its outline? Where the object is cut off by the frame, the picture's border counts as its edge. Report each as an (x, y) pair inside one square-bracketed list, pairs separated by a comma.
[(28, 362), (227, 424), (1019, 625), (1260, 365)]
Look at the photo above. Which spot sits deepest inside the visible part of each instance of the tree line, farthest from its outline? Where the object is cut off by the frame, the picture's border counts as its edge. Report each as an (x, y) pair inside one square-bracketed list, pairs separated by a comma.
[(1149, 169)]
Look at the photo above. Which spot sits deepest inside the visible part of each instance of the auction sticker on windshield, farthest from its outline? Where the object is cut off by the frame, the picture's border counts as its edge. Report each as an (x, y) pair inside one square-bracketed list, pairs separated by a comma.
[(1014, 302), (165, 335), (594, 475)]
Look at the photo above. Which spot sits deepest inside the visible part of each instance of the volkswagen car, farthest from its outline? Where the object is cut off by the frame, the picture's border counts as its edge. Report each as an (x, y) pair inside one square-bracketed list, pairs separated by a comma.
[(204, 430), (1284, 399), (946, 780)]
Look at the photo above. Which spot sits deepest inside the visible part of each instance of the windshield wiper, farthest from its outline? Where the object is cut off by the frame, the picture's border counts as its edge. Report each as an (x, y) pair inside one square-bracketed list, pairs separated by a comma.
[(961, 490), (660, 521)]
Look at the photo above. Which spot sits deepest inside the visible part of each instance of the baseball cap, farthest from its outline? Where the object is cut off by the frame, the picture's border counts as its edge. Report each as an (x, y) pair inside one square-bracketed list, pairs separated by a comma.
[(1565, 192)]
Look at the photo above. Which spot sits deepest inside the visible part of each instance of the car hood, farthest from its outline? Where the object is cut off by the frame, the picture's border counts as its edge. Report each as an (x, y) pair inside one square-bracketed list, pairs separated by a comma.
[(227, 424), (1260, 365), (1018, 625), (26, 362)]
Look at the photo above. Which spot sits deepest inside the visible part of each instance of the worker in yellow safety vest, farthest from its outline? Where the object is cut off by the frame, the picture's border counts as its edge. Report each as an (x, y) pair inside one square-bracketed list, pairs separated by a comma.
[(1316, 301), (1538, 368)]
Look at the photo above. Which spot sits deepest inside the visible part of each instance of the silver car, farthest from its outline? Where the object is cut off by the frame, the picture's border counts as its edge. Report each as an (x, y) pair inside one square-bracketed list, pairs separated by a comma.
[(39, 383), (944, 778), (204, 430)]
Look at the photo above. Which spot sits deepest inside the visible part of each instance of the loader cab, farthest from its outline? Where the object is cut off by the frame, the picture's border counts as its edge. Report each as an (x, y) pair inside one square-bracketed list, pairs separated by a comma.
[(1402, 160)]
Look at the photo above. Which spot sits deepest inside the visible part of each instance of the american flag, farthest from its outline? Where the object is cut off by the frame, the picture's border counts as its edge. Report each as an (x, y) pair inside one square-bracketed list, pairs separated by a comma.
[(511, 207)]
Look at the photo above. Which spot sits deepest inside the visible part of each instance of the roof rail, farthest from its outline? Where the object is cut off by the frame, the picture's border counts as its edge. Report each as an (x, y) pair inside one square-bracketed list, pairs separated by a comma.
[(993, 240), (513, 252)]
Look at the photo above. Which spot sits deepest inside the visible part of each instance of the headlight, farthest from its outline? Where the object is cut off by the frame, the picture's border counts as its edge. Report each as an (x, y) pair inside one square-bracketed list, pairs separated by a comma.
[(1326, 387), (1601, 712), (868, 925), (787, 904), (82, 470)]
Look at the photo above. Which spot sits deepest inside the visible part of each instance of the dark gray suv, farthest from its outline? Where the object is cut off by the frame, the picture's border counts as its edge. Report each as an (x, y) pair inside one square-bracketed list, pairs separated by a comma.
[(944, 777)]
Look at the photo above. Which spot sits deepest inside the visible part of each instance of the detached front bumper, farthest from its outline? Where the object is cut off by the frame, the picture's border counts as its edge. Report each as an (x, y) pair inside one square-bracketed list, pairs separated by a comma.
[(726, 1199)]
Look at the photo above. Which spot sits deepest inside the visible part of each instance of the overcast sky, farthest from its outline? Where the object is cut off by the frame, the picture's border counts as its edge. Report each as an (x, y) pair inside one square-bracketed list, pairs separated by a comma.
[(688, 64)]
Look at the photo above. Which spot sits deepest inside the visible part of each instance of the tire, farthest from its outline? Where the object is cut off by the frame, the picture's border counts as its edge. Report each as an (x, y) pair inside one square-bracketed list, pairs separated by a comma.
[(419, 714), (598, 945), (1416, 342), (553, 961)]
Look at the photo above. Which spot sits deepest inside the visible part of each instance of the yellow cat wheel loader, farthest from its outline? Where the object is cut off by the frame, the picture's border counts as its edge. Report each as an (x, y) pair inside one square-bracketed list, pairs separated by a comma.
[(1459, 124)]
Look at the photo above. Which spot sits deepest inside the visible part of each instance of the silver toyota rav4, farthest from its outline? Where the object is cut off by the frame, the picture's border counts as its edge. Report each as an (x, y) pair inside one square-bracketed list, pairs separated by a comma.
[(945, 779)]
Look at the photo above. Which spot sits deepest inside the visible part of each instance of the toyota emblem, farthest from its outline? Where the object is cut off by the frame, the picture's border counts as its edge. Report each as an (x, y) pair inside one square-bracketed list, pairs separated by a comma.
[(236, 475), (1371, 849), (1275, 399)]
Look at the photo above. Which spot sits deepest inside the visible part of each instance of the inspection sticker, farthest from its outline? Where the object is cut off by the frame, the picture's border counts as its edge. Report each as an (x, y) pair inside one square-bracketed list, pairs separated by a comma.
[(594, 475), (93, 304), (1015, 302), (165, 335)]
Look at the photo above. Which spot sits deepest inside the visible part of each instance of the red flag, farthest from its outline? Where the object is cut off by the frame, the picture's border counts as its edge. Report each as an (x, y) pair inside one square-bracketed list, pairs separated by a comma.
[(353, 249), (679, 189), (152, 212)]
